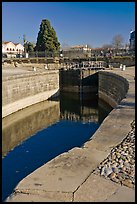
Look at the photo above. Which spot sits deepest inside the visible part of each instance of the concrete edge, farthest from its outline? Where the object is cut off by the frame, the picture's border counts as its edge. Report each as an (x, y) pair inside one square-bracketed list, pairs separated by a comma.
[(23, 103)]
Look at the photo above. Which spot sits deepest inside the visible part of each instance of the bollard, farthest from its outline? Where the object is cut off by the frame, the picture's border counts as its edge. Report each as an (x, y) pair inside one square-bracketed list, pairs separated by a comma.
[(15, 64), (34, 68), (45, 66), (83, 64), (121, 66), (124, 67)]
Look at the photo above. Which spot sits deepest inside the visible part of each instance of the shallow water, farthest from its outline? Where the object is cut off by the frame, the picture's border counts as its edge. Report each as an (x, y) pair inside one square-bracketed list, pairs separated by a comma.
[(35, 135)]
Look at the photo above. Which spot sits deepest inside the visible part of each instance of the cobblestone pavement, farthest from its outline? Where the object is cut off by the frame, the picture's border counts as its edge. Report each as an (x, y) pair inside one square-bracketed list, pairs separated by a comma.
[(119, 166)]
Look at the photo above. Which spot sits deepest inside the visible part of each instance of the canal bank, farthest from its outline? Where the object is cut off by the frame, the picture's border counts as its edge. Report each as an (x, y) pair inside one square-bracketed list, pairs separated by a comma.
[(71, 175), (22, 88)]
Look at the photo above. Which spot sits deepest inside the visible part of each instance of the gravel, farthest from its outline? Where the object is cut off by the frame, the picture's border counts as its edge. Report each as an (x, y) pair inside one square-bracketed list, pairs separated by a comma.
[(119, 166)]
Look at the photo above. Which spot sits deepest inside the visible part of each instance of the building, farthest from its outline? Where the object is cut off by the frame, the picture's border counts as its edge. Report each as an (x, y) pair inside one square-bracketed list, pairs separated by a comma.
[(77, 51), (83, 48), (10, 49), (132, 40)]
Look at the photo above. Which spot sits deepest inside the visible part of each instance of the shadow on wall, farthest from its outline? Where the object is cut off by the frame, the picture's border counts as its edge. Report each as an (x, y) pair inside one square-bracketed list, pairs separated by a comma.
[(91, 80), (124, 103)]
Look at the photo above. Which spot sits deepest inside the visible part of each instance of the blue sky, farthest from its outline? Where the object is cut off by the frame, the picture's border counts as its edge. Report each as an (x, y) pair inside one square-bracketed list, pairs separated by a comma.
[(93, 23)]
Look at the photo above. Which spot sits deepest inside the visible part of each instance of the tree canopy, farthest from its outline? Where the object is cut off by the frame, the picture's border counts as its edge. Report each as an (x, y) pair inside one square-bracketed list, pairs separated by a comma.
[(47, 39), (29, 47)]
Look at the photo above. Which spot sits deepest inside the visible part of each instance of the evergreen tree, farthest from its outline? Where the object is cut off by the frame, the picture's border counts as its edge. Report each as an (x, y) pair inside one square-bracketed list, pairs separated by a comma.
[(29, 47), (47, 39)]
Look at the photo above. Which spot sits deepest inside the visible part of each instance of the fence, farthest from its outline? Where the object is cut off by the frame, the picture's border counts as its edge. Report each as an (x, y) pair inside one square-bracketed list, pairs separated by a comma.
[(43, 54), (70, 54)]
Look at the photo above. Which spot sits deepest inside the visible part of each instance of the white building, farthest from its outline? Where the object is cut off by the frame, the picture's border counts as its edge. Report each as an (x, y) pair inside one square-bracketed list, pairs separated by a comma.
[(11, 49), (80, 48)]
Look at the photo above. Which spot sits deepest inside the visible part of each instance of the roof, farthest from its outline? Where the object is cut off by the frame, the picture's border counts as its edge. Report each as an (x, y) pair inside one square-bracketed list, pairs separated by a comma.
[(12, 43), (78, 46), (6, 42)]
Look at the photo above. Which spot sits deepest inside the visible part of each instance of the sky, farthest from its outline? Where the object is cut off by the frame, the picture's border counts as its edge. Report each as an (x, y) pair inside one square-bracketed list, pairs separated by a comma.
[(75, 23)]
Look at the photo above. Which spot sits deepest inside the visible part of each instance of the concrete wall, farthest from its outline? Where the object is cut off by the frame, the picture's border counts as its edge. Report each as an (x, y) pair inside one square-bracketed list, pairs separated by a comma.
[(69, 80), (22, 90), (78, 80), (112, 88)]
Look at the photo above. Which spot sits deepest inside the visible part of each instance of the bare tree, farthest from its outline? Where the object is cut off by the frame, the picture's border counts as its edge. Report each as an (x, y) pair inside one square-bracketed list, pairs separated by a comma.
[(117, 41)]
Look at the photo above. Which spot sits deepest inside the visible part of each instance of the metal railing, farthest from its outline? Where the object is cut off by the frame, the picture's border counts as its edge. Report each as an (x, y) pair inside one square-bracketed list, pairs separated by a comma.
[(68, 54), (43, 54)]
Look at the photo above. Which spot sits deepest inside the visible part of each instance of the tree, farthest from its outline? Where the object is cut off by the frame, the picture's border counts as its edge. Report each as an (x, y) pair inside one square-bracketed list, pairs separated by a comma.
[(29, 47), (47, 39), (117, 41)]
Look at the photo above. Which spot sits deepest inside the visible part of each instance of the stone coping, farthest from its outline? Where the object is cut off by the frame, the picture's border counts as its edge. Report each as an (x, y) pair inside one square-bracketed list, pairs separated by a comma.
[(28, 101), (27, 74), (69, 176)]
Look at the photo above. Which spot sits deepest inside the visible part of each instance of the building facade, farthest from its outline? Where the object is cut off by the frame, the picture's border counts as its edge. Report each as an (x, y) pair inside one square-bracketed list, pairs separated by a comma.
[(77, 51), (12, 50), (132, 40)]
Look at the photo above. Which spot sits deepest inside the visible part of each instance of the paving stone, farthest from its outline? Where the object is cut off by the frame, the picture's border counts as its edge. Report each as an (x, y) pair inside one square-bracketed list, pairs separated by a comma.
[(123, 194), (95, 189)]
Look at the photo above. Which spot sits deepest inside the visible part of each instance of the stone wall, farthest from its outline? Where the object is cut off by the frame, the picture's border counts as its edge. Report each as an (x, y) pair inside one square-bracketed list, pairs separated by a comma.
[(51, 63), (26, 89), (112, 88), (116, 61), (22, 90)]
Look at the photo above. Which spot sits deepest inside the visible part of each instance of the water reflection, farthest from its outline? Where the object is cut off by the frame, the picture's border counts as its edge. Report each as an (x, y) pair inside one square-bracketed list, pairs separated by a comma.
[(86, 111), (24, 123), (56, 126)]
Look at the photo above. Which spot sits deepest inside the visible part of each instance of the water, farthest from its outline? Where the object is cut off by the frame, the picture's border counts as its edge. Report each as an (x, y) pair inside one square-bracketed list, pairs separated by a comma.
[(35, 135)]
